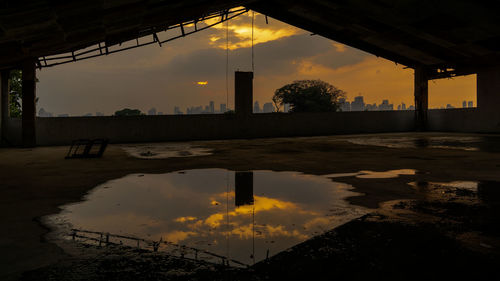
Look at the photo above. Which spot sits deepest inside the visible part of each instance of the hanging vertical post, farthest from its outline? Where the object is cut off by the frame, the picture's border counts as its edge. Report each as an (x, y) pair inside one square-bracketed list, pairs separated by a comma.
[(243, 93), (28, 103), (4, 103), (421, 98)]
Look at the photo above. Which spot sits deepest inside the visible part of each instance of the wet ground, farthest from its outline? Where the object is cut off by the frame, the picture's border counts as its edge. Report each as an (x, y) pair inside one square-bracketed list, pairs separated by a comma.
[(434, 210), (245, 216)]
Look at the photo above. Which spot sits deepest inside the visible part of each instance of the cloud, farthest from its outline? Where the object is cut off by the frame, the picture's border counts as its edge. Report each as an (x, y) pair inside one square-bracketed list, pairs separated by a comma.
[(240, 32)]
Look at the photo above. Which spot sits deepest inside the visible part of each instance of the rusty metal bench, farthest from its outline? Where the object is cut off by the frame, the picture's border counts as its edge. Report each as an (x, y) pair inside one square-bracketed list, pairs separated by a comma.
[(87, 148)]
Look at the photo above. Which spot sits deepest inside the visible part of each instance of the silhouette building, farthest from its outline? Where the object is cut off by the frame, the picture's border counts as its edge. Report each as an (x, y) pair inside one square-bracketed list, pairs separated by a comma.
[(268, 108), (358, 104), (152, 111), (177, 111), (223, 108), (344, 105), (256, 107), (286, 107), (211, 107)]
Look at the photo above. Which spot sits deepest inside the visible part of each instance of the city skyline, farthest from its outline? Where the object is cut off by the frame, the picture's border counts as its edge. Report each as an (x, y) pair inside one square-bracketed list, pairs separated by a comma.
[(357, 104), (151, 76)]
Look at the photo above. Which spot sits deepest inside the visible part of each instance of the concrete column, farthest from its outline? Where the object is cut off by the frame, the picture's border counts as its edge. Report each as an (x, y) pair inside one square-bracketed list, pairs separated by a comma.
[(4, 103), (488, 100), (488, 89), (421, 98), (29, 106), (243, 92)]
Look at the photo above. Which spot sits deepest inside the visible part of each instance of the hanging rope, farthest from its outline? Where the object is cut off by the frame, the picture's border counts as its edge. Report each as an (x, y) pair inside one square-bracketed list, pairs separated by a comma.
[(227, 65), (227, 214), (253, 65)]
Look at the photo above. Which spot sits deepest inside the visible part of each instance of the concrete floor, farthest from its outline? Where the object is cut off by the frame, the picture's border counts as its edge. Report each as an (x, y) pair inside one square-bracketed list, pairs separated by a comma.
[(34, 182)]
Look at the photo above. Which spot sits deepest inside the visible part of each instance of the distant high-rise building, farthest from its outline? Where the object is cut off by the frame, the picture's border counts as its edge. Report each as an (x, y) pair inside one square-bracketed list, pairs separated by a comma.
[(464, 104), (470, 104), (87, 115), (268, 107), (399, 107), (211, 108), (449, 106), (196, 110), (43, 113), (223, 108), (371, 107), (177, 111), (412, 107), (286, 107), (385, 105), (358, 104), (256, 107), (344, 105), (152, 111), (99, 114), (403, 106)]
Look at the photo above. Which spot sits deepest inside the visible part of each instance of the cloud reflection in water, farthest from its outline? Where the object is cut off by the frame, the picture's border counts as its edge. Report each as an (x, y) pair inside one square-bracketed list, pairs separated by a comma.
[(197, 208)]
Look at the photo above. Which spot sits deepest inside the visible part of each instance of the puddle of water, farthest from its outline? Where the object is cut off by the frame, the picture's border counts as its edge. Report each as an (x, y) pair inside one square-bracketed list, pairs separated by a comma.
[(375, 175), (245, 216), (442, 142), (165, 150)]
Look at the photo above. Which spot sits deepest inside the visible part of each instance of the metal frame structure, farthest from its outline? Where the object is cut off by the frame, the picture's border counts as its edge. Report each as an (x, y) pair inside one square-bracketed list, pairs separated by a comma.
[(102, 49)]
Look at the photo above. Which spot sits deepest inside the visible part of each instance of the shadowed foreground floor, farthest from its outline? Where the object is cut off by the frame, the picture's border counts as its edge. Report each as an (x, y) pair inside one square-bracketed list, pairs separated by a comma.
[(450, 233)]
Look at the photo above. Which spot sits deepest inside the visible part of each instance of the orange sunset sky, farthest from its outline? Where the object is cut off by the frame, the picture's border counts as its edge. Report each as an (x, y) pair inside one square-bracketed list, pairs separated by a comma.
[(168, 76)]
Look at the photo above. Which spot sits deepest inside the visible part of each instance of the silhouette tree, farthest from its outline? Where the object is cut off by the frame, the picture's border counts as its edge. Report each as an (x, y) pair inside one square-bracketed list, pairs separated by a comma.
[(16, 93), (128, 112), (308, 96)]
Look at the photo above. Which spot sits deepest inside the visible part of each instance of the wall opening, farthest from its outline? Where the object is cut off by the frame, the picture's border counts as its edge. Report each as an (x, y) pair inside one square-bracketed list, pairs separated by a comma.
[(457, 92)]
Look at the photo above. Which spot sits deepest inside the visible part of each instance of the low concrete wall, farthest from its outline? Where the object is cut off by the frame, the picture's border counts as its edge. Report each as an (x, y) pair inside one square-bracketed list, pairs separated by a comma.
[(14, 132), (471, 120), (58, 131)]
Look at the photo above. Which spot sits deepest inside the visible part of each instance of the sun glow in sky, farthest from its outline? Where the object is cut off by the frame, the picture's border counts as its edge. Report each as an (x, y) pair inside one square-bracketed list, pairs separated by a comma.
[(162, 77), (242, 32)]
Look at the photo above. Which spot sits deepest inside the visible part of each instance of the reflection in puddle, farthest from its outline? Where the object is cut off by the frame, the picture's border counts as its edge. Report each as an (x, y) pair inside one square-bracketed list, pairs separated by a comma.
[(487, 191), (374, 175), (244, 215), (466, 185), (467, 143), (164, 150)]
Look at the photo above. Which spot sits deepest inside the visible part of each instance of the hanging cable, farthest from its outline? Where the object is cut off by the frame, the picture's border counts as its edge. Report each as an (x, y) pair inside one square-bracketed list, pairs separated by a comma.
[(227, 65), (227, 215), (253, 65), (253, 233)]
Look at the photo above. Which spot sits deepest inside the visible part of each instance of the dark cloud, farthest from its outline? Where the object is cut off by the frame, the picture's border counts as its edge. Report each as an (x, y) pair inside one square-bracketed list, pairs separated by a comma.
[(335, 59), (273, 57)]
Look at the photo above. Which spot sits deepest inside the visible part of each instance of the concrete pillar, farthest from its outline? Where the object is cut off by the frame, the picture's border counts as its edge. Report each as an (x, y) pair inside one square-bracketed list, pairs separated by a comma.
[(4, 103), (421, 98), (243, 93), (29, 106), (488, 89)]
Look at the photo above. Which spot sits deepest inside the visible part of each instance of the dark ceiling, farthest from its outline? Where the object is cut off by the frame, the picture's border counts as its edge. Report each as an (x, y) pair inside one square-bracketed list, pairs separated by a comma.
[(441, 34)]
